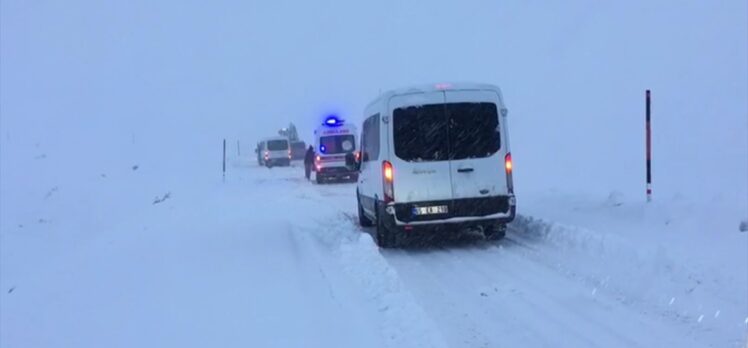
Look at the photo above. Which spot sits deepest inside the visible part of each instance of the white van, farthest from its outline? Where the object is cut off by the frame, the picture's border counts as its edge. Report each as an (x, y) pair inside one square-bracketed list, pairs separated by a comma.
[(275, 151), (333, 140), (435, 158)]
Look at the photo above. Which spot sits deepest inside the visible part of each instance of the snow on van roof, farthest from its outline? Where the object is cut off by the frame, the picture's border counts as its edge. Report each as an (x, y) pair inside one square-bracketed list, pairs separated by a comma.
[(440, 86), (275, 138)]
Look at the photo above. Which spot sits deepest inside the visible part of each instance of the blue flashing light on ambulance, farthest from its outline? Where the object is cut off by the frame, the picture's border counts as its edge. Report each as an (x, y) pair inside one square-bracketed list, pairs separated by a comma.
[(333, 121), (333, 140)]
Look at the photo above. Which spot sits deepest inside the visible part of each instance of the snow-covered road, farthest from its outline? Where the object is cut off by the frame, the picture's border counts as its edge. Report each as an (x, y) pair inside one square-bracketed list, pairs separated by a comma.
[(268, 259), (507, 295)]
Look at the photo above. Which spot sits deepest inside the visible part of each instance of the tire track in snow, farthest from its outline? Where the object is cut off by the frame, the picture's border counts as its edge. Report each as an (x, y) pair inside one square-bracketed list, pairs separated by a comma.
[(464, 275), (505, 321), (551, 308)]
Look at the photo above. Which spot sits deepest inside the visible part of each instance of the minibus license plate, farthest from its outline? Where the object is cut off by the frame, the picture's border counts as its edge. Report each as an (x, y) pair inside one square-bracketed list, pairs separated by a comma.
[(434, 209)]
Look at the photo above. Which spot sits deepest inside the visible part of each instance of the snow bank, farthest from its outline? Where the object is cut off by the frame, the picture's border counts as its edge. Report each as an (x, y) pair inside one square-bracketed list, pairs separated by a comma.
[(403, 323), (674, 259)]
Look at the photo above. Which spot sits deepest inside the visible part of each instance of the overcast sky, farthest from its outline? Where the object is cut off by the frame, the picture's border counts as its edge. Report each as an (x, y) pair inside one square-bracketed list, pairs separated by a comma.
[(92, 79)]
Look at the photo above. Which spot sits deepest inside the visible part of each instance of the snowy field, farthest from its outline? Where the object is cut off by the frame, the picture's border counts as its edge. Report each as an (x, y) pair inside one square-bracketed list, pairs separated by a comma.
[(117, 230), (269, 259)]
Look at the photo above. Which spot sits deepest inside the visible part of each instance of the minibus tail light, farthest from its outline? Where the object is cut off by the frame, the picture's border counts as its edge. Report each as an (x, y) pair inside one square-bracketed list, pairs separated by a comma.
[(388, 178), (508, 166)]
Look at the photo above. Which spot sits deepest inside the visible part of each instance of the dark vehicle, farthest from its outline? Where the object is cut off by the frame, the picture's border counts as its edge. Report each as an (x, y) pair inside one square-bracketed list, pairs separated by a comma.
[(298, 150), (258, 152)]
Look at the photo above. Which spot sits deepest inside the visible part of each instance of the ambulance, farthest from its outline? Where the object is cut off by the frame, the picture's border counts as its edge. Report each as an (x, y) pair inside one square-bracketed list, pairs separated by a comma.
[(333, 140)]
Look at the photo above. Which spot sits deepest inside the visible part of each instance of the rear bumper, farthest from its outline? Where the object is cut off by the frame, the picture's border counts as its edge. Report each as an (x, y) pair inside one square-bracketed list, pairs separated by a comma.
[(336, 171), (462, 214), (464, 220), (450, 227), (458, 210), (278, 161)]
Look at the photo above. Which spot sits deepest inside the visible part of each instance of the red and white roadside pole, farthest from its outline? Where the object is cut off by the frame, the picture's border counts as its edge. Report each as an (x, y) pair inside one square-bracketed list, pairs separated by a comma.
[(649, 148)]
